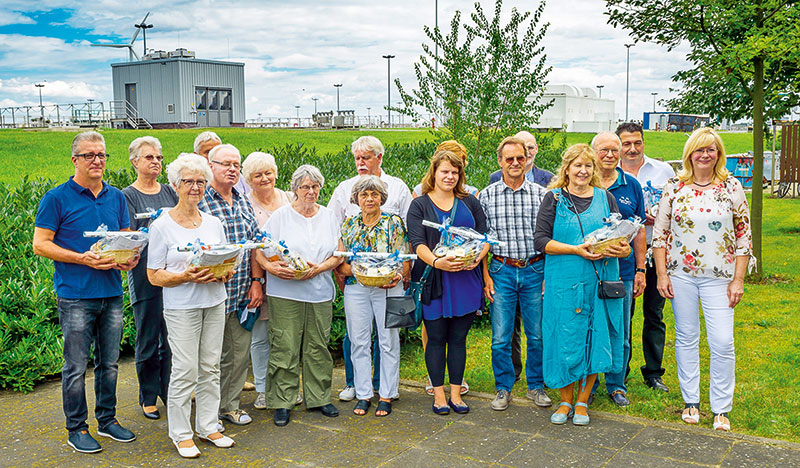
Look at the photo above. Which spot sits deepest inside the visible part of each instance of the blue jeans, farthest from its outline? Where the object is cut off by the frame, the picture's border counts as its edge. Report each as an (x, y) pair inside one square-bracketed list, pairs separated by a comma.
[(514, 285), (83, 322), (616, 381), (348, 362)]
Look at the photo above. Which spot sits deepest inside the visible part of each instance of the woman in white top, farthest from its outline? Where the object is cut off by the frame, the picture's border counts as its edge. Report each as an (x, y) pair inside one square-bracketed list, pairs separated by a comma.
[(194, 307), (702, 246), (260, 172), (301, 309)]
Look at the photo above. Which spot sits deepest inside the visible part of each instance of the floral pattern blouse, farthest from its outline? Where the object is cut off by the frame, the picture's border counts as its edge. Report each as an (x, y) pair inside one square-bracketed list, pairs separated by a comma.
[(387, 235), (703, 231)]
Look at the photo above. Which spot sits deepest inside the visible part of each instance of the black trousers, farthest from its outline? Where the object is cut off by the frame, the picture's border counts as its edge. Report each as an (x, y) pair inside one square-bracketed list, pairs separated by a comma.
[(653, 330), (447, 344), (153, 357)]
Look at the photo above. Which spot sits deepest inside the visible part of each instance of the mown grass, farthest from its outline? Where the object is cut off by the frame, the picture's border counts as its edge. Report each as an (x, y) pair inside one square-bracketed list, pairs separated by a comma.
[(46, 154), (767, 337)]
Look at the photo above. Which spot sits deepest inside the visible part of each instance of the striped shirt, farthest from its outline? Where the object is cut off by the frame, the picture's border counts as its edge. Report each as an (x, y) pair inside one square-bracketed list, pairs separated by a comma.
[(240, 225), (511, 216)]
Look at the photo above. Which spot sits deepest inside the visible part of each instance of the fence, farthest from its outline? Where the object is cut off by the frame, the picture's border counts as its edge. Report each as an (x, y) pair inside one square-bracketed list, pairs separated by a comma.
[(87, 114)]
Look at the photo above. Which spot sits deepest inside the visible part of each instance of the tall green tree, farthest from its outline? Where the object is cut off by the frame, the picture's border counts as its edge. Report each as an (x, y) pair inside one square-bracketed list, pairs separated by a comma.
[(488, 77), (742, 52)]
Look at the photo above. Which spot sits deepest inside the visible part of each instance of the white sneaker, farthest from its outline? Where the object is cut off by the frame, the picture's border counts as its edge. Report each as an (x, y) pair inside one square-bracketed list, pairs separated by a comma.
[(187, 452), (222, 442), (348, 393), (299, 400), (261, 401)]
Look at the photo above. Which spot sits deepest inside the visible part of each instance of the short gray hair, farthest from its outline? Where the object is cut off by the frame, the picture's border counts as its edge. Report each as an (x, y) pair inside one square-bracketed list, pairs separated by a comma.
[(187, 162), (86, 136), (601, 134), (224, 147), (367, 143), (258, 161), (306, 170), (135, 149), (204, 137), (368, 182)]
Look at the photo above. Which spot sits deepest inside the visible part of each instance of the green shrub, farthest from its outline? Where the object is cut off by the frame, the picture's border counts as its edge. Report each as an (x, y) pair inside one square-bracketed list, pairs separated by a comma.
[(31, 344)]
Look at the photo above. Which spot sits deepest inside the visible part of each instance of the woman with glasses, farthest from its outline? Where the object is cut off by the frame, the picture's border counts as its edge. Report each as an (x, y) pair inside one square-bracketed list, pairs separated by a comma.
[(194, 307), (701, 247), (152, 350), (301, 307)]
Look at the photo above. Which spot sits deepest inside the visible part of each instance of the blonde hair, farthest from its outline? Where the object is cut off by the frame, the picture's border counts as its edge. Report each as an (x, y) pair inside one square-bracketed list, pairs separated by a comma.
[(454, 146), (701, 138), (258, 161), (440, 156), (580, 150)]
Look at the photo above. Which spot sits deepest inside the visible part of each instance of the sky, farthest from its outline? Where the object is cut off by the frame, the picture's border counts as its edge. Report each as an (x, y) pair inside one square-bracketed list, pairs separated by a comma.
[(295, 51)]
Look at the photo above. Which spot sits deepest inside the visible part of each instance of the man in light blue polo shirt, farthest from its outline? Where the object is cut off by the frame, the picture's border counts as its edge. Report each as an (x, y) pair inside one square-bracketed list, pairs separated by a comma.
[(628, 193), (88, 288)]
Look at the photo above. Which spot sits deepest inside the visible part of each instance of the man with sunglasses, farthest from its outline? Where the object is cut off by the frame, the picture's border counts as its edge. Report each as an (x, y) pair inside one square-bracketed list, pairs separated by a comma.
[(513, 277), (88, 288), (224, 201)]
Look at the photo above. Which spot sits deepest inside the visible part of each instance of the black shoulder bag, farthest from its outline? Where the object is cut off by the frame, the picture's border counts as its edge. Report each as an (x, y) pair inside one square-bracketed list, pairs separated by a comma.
[(605, 289)]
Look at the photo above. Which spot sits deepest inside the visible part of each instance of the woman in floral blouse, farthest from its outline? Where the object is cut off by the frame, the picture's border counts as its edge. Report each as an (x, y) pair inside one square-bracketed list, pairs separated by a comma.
[(372, 231), (702, 247)]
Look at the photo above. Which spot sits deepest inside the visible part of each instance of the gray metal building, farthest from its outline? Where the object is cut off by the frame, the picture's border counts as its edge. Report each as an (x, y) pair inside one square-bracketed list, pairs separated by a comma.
[(176, 90)]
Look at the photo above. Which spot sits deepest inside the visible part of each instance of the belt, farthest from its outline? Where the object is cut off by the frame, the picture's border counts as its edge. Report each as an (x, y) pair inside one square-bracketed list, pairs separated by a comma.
[(518, 263)]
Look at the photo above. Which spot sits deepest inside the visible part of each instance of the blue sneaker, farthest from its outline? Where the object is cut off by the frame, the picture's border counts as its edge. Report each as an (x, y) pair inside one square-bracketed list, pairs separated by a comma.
[(83, 442), (117, 432)]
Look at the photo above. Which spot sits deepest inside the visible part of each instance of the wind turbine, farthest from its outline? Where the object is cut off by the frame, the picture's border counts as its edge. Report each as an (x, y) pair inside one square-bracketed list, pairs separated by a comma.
[(132, 55)]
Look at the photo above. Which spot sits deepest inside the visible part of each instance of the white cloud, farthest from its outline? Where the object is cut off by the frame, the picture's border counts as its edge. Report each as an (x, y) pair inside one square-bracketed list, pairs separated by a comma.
[(12, 17)]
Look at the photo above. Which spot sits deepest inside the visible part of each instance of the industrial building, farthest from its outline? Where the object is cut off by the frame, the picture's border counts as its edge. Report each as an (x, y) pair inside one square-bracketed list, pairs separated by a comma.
[(177, 90), (579, 109), (673, 121)]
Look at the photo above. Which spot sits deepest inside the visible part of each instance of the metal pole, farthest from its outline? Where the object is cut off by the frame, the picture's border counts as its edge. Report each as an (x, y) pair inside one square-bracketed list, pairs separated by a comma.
[(89, 107), (774, 138), (389, 87), (315, 104), (41, 107), (298, 115), (369, 119), (627, 78), (58, 115), (654, 101), (600, 87), (337, 96)]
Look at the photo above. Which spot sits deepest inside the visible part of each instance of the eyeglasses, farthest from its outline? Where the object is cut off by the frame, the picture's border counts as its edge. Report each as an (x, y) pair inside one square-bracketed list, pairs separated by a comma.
[(708, 151), (308, 188), (91, 156), (153, 157), (194, 183), (606, 151), (519, 159), (228, 164)]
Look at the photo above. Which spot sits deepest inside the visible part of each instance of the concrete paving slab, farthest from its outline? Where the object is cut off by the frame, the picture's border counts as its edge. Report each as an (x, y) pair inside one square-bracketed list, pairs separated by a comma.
[(748, 455), (632, 459), (680, 445), (609, 433), (540, 452), (524, 419), (487, 444), (426, 457)]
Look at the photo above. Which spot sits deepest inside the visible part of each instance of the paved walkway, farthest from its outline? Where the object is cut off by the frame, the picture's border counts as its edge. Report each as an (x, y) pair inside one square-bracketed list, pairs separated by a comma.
[(411, 436)]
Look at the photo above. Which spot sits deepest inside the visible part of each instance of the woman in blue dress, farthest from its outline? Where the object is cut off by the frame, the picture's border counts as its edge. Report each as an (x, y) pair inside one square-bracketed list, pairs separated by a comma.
[(576, 324), (453, 289)]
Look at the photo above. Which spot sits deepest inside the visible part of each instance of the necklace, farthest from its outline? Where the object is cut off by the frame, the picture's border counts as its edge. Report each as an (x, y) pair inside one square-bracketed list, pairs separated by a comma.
[(704, 185)]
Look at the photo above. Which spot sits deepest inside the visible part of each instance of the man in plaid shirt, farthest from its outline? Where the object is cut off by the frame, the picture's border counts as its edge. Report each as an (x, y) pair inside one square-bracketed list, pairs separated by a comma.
[(244, 289), (515, 273)]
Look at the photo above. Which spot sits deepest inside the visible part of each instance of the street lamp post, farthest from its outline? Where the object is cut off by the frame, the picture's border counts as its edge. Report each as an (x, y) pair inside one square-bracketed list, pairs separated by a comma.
[(627, 78), (298, 115), (654, 101), (337, 96), (315, 104), (600, 87), (389, 87), (41, 107), (369, 118)]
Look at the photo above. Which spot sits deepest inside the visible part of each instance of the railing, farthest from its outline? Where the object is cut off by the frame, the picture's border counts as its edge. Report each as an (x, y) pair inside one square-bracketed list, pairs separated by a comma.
[(87, 114), (357, 121), (124, 112)]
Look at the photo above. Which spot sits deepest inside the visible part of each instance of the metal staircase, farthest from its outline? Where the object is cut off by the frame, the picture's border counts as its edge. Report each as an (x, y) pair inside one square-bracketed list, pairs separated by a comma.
[(124, 114)]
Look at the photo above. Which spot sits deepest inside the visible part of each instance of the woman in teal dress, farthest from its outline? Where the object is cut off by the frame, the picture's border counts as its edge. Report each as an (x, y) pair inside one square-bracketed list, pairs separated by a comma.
[(582, 334)]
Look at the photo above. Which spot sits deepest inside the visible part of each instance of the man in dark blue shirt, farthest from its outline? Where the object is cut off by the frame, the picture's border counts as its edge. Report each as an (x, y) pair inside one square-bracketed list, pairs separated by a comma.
[(628, 193), (88, 287)]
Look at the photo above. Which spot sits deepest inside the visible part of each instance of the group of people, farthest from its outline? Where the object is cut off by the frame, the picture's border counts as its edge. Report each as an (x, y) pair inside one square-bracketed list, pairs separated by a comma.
[(199, 333)]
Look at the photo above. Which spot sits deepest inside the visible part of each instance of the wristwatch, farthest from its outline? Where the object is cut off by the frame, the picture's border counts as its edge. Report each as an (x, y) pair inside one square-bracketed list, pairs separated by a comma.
[(640, 270), (260, 280)]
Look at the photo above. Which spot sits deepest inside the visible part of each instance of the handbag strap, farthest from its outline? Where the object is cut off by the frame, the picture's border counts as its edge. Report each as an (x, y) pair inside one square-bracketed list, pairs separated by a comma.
[(577, 215)]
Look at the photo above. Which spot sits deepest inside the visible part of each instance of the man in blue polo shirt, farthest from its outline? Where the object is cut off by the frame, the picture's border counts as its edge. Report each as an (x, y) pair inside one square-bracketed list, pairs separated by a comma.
[(88, 288), (628, 193)]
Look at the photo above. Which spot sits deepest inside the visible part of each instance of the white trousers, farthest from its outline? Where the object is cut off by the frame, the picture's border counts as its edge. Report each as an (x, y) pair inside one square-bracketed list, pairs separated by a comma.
[(362, 305), (712, 294), (259, 354), (195, 338)]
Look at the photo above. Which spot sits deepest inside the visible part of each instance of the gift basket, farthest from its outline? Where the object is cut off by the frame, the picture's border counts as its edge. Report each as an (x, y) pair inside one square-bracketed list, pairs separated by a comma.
[(122, 246), (462, 243), (220, 259), (652, 196), (375, 269), (614, 231), (279, 251)]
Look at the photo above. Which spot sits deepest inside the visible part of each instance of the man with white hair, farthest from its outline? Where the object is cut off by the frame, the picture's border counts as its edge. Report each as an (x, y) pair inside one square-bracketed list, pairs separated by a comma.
[(205, 142), (88, 288), (244, 289), (368, 154)]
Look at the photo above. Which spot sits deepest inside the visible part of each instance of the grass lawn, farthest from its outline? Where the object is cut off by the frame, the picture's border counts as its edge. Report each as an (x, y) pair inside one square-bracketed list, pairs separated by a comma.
[(42, 151), (767, 334)]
